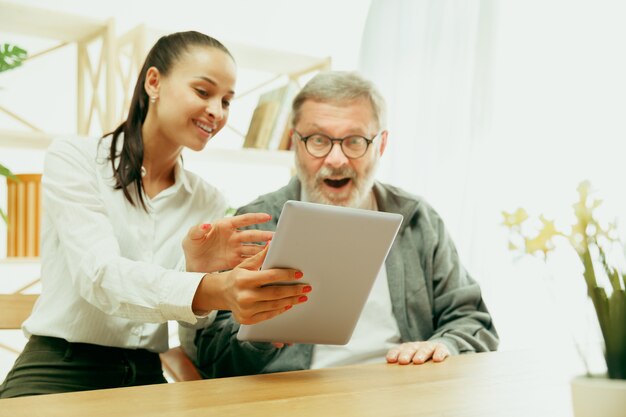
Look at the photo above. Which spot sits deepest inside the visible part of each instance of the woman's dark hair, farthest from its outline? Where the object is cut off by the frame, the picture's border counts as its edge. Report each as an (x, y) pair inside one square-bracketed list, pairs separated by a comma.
[(166, 52)]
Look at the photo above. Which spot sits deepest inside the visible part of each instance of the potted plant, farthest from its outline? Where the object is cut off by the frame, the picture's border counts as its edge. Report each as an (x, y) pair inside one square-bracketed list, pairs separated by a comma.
[(591, 240), (11, 56)]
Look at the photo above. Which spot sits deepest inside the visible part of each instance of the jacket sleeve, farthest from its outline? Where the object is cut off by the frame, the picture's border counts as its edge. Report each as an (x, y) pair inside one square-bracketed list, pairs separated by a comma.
[(220, 354), (460, 318)]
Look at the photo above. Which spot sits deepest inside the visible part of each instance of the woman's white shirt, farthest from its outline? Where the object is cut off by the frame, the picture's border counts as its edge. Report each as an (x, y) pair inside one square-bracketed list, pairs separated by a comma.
[(111, 272)]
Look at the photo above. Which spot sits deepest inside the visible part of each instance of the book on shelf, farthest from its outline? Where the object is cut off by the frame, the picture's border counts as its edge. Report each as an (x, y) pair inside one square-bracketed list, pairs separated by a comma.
[(285, 139), (269, 126), (261, 125)]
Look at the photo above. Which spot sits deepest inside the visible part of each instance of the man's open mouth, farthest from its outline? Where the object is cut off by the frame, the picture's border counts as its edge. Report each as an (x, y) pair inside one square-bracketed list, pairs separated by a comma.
[(337, 183)]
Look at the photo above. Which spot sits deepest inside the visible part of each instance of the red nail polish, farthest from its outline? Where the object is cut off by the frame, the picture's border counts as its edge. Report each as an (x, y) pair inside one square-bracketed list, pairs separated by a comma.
[(303, 299), (205, 226), (288, 307), (298, 275), (307, 289)]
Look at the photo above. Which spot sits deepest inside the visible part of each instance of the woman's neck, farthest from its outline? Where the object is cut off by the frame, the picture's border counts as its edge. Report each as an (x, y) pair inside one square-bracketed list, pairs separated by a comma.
[(159, 161)]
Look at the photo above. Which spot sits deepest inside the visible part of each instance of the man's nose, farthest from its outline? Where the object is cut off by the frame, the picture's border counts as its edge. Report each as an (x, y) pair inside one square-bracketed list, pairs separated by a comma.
[(336, 157)]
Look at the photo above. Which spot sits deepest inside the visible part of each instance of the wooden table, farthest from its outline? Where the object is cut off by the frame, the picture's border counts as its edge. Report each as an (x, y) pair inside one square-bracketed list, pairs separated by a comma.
[(501, 384)]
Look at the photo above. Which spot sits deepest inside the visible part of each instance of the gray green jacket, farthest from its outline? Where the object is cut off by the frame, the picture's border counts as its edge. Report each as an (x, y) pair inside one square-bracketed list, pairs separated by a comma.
[(432, 295)]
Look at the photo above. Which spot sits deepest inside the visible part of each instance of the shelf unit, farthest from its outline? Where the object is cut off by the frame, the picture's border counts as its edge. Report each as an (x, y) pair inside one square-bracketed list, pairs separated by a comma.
[(40, 141), (94, 73), (105, 81)]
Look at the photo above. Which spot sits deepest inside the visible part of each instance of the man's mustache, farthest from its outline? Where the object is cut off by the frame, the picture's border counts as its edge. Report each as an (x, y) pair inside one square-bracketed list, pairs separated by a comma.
[(328, 172)]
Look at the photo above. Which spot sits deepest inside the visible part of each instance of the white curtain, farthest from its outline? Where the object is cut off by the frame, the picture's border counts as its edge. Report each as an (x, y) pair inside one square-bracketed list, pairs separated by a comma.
[(432, 61), (496, 105)]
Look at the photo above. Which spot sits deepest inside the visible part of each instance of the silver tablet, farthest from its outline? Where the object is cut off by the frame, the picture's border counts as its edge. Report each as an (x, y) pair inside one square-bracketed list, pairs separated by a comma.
[(340, 251)]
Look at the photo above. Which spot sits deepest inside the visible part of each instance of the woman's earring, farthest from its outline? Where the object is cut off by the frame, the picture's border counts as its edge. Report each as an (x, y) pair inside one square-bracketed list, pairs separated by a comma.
[(153, 99)]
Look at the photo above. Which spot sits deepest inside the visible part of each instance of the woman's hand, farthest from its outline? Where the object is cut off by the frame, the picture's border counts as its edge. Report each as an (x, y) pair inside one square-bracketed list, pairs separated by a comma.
[(221, 245), (249, 293)]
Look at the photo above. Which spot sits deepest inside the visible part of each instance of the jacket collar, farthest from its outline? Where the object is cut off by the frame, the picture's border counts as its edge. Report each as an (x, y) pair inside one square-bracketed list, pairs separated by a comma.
[(389, 199)]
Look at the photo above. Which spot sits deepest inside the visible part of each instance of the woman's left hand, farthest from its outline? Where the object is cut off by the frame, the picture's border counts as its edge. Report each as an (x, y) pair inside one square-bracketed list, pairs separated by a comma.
[(221, 245)]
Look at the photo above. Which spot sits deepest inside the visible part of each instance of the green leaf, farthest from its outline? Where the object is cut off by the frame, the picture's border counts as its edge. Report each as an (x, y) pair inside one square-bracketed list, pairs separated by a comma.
[(6, 172), (601, 304), (615, 340), (11, 56), (588, 273), (610, 272)]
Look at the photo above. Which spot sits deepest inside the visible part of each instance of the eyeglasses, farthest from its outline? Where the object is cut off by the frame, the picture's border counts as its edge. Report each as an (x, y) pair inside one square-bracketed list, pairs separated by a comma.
[(319, 145)]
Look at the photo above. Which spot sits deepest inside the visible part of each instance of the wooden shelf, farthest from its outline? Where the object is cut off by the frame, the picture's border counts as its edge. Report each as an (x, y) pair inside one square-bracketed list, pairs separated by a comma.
[(66, 28), (34, 21), (95, 76), (254, 57), (270, 60), (20, 261), (244, 156), (24, 140), (38, 140)]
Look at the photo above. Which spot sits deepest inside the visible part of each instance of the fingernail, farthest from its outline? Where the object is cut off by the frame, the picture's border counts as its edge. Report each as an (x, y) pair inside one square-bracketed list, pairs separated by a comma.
[(303, 299), (298, 275), (307, 289), (288, 307), (205, 226)]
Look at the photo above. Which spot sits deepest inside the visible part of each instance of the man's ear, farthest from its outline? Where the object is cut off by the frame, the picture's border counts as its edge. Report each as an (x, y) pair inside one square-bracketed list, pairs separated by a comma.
[(153, 81), (383, 142)]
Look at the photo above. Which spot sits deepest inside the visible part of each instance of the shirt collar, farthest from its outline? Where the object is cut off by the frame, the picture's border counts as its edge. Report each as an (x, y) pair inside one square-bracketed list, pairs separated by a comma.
[(180, 175)]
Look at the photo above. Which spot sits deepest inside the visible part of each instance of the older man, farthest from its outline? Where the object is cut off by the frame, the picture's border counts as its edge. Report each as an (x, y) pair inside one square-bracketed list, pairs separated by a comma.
[(423, 306)]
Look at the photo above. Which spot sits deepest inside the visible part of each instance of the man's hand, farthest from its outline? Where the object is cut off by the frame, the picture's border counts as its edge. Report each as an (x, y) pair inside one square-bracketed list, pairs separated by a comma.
[(417, 353), (221, 245)]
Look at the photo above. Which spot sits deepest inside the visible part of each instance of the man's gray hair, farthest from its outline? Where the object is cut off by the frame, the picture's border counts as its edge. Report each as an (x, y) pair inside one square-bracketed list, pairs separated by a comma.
[(339, 87)]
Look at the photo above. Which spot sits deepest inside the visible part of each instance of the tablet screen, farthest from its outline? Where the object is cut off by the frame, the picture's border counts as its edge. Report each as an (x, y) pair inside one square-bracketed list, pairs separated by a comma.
[(340, 251)]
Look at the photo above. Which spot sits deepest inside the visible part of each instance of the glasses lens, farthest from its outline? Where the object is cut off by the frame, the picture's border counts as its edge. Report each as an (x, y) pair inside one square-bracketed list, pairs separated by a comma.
[(318, 145), (354, 146)]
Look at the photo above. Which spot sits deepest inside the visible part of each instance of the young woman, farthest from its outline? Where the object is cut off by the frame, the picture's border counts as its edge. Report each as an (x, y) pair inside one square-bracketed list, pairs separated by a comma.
[(115, 213)]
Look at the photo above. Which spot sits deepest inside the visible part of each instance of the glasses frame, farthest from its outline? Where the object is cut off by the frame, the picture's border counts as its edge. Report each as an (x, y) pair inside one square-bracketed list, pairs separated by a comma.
[(336, 140)]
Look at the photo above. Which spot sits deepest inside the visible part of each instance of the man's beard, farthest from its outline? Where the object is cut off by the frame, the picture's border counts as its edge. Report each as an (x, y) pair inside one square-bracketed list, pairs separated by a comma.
[(355, 196)]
